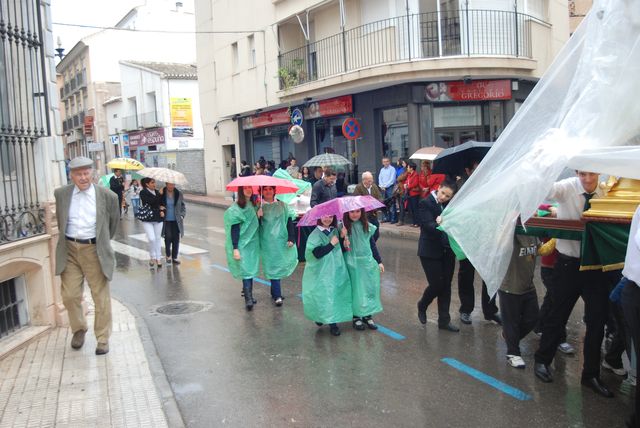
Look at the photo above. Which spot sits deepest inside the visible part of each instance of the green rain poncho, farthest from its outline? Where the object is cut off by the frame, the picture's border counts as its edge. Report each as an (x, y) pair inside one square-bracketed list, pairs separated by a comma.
[(326, 289), (278, 260), (248, 245), (363, 271)]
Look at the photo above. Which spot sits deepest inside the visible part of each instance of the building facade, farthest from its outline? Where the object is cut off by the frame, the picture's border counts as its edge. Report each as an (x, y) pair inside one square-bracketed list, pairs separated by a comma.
[(578, 9), (156, 120), (31, 167), (412, 73), (90, 72)]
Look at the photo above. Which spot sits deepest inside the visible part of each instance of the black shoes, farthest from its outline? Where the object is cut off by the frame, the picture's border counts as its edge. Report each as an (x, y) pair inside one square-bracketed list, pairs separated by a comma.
[(495, 318), (542, 372), (334, 329), (449, 327), (370, 323), (597, 386), (358, 324), (422, 314), (248, 297)]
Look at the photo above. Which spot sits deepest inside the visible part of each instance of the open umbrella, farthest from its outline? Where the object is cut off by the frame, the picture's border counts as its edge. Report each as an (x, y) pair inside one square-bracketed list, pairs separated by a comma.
[(125, 163), (327, 159), (165, 175), (281, 185), (104, 180), (452, 160), (302, 185), (338, 207), (426, 153)]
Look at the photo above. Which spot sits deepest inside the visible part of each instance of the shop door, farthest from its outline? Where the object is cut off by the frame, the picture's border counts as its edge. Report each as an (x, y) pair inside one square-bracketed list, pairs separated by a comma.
[(448, 137)]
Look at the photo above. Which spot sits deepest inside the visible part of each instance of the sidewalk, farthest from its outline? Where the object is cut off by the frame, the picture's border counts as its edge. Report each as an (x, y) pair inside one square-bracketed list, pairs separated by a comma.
[(385, 228), (46, 383)]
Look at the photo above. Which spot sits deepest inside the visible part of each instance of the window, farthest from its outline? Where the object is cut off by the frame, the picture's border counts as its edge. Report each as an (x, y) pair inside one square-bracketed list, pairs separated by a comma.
[(234, 57), (251, 42), (395, 133), (13, 313)]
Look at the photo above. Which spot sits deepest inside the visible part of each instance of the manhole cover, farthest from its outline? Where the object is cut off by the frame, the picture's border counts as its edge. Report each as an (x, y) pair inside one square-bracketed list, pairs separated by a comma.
[(182, 308)]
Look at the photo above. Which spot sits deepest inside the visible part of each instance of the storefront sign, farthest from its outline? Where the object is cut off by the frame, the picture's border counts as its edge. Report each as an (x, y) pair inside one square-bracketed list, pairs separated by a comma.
[(94, 147), (476, 90), (115, 139), (269, 118), (181, 118), (149, 137), (331, 107)]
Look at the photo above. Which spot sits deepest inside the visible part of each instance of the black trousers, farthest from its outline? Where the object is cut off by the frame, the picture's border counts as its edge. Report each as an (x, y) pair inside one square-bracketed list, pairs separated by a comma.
[(439, 273), (374, 221), (569, 283), (615, 325), (631, 310), (171, 239), (519, 316), (466, 292), (546, 273)]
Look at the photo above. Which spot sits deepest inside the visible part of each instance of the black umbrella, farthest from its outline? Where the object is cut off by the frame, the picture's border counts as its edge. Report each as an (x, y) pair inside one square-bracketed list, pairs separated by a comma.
[(452, 160)]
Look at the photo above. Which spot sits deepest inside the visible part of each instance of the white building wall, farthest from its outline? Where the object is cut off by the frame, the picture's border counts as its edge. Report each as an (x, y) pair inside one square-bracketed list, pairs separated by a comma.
[(174, 88)]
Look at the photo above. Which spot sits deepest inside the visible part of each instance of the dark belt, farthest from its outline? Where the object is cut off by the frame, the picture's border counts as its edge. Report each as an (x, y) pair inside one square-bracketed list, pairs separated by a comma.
[(82, 241)]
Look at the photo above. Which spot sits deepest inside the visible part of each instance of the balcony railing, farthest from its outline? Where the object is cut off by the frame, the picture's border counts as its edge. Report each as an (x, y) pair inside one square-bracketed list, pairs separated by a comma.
[(150, 120), (462, 32), (130, 123)]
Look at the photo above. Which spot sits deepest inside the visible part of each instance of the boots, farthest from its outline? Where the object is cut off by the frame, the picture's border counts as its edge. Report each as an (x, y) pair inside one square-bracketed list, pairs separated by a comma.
[(248, 296)]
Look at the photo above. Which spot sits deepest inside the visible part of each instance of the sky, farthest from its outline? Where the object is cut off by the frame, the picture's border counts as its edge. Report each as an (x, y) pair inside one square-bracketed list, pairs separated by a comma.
[(86, 12)]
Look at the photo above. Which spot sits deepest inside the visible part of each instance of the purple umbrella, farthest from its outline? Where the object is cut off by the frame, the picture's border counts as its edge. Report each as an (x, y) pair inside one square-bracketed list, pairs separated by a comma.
[(338, 207)]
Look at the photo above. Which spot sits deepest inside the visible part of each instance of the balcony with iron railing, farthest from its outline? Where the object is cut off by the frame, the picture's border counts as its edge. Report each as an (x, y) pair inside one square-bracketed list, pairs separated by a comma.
[(424, 36)]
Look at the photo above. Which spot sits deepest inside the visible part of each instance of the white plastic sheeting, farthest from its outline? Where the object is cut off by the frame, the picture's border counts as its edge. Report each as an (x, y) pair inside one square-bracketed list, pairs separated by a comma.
[(618, 161), (587, 99)]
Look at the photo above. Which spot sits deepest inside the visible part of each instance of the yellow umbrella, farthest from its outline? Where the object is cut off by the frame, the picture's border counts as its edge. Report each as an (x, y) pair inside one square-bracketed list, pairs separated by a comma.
[(125, 163)]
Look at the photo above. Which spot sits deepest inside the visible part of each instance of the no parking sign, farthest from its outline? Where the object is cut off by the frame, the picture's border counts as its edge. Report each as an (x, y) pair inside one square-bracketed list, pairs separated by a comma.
[(351, 128)]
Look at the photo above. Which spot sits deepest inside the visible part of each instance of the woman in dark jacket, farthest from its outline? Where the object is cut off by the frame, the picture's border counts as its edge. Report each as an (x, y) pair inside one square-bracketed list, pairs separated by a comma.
[(150, 197), (173, 227), (436, 256)]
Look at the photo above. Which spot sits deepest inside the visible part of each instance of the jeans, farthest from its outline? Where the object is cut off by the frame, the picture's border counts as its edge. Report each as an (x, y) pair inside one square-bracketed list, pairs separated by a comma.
[(275, 289), (390, 214), (171, 239), (135, 202)]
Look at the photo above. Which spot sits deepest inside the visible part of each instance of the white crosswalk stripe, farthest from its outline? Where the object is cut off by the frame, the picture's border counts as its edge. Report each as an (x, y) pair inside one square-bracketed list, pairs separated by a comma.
[(184, 248), (128, 250)]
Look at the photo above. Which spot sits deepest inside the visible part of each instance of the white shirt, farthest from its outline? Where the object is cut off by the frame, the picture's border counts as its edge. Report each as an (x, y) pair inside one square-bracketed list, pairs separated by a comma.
[(569, 194), (81, 223), (632, 260)]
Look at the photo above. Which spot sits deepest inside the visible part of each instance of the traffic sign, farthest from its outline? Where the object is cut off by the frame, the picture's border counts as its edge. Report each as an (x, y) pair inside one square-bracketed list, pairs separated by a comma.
[(297, 117), (351, 128)]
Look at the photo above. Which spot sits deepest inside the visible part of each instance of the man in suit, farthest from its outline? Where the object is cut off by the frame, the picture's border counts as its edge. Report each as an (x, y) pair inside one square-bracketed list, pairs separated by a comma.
[(368, 187), (87, 217), (116, 184)]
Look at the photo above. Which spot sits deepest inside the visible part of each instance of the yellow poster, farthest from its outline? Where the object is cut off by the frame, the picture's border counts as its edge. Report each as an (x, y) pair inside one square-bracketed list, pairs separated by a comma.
[(181, 118)]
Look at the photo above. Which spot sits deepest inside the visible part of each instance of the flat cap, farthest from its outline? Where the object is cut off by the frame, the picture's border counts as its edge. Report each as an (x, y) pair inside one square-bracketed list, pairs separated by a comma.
[(80, 162)]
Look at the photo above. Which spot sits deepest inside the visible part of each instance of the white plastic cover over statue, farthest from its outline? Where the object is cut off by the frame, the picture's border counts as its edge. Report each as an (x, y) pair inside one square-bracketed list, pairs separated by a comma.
[(587, 99)]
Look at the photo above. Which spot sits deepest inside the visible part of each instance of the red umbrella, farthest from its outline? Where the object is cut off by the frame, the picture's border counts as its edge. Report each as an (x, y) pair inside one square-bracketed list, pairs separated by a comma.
[(281, 185)]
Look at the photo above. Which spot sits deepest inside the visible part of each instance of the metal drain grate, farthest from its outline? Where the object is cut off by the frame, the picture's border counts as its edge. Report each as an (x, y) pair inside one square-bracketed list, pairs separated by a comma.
[(182, 307)]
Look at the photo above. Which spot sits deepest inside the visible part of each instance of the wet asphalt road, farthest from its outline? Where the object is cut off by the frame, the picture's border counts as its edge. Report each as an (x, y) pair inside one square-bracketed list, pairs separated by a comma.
[(273, 367)]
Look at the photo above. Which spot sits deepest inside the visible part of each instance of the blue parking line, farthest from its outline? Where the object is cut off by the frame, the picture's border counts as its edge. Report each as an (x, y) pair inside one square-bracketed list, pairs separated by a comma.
[(382, 329), (485, 378)]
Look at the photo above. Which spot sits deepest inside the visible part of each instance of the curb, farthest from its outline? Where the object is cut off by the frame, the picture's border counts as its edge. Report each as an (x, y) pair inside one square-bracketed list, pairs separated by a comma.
[(169, 404)]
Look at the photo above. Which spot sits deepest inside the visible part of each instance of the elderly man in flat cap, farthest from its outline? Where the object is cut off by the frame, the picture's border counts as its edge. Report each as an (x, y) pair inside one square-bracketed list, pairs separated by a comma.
[(87, 219)]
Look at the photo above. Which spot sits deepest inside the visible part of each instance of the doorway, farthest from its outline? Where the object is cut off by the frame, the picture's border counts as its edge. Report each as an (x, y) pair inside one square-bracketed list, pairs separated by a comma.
[(449, 137)]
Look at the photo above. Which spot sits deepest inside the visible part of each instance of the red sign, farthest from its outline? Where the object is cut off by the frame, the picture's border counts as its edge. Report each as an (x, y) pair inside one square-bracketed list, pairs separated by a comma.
[(149, 137), (476, 90), (351, 128), (330, 107), (88, 125), (269, 118)]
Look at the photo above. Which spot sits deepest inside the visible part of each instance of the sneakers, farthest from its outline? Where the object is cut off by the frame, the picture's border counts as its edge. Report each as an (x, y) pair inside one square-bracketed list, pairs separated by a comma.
[(619, 371), (565, 348), (465, 318), (516, 361)]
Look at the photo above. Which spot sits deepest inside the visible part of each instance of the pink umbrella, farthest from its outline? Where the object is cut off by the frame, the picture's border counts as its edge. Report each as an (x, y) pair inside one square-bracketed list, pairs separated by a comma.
[(281, 185), (338, 207)]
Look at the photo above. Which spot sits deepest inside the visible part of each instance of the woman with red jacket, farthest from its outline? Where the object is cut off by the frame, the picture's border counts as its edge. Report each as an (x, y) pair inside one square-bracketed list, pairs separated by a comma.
[(429, 181), (412, 188)]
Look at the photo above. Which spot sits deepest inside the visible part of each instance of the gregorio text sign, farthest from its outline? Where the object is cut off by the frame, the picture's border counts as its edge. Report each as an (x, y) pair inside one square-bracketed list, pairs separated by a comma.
[(149, 137), (476, 90)]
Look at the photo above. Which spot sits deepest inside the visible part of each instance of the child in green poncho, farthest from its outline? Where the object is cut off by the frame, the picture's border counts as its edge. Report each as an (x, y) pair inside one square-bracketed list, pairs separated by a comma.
[(326, 288), (278, 252), (364, 265), (242, 246)]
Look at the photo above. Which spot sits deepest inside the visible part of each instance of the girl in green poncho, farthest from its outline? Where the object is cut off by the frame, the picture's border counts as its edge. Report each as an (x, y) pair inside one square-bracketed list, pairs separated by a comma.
[(278, 252), (326, 289), (365, 266), (242, 246)]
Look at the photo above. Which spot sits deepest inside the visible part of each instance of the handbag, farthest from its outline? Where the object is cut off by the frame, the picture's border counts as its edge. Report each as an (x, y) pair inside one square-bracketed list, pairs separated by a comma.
[(145, 213)]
